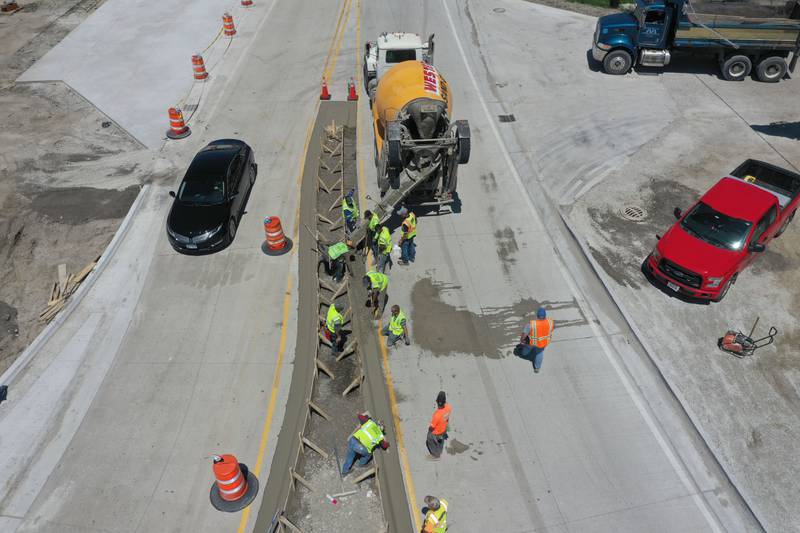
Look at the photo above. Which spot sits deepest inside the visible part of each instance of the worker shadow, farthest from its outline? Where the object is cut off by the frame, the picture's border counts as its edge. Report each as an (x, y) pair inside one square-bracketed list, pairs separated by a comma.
[(790, 130), (669, 292)]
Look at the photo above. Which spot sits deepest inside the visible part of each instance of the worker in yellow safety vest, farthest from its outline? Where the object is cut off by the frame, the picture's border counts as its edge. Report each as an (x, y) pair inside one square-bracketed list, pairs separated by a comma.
[(535, 338), (384, 247), (333, 259), (350, 211), (363, 441), (436, 515), (376, 283), (396, 328), (408, 249), (372, 221), (333, 329)]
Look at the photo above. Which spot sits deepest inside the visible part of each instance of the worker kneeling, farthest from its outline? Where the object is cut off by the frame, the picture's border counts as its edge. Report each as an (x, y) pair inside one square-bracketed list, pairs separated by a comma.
[(363, 442), (396, 328)]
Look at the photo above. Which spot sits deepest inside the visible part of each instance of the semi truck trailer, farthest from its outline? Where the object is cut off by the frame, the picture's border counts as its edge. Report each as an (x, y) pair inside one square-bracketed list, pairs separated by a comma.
[(742, 36)]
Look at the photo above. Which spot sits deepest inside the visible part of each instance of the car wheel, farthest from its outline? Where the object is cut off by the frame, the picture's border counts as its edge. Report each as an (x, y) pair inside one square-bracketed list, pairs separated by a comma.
[(617, 62), (736, 68), (784, 225), (726, 288), (231, 230), (771, 70)]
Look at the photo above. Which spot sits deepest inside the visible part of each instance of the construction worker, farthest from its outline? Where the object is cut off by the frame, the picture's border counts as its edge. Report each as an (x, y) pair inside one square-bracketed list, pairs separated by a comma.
[(437, 430), (396, 328), (376, 283), (334, 259), (350, 211), (384, 247), (408, 250), (372, 225), (333, 329), (436, 515), (535, 338), (363, 441)]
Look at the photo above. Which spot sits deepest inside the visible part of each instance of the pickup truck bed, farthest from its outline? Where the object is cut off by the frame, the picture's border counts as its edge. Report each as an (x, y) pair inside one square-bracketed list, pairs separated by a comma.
[(785, 185)]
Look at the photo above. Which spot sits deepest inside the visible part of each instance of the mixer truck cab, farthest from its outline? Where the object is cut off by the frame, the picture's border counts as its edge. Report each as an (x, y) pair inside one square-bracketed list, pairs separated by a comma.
[(418, 148), (743, 36), (389, 50), (702, 254)]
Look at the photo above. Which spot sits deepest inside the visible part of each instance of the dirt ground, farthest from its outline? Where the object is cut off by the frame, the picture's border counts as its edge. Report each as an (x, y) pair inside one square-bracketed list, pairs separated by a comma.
[(67, 173)]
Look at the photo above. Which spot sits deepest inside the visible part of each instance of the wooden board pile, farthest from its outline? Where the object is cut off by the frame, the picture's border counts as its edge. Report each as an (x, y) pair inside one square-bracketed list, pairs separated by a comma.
[(63, 289)]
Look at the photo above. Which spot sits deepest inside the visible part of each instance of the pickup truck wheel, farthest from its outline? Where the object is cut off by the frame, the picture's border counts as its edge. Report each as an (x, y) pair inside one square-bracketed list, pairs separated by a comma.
[(736, 68), (784, 225), (771, 70), (617, 62)]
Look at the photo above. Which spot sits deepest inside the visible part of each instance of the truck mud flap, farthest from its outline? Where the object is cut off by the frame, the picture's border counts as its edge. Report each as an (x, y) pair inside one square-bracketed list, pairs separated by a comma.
[(394, 134)]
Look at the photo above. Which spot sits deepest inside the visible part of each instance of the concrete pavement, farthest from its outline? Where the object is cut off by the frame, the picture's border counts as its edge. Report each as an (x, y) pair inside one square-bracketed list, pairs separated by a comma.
[(576, 447)]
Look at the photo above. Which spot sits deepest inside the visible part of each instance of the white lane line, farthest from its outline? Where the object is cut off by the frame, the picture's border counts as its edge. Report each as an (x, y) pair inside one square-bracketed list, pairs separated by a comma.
[(679, 468)]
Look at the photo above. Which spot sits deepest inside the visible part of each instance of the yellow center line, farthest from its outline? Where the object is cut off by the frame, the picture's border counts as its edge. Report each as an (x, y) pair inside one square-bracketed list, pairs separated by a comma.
[(340, 40), (401, 447), (333, 40), (287, 299)]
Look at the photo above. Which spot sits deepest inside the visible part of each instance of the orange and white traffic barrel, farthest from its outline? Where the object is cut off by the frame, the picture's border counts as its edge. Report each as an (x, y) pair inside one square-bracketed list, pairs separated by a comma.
[(275, 243), (177, 126), (235, 486), (199, 67), (227, 25)]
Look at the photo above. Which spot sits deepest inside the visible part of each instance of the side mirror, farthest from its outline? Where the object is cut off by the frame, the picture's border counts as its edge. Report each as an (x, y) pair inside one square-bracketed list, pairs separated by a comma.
[(172, 193), (756, 247), (677, 212)]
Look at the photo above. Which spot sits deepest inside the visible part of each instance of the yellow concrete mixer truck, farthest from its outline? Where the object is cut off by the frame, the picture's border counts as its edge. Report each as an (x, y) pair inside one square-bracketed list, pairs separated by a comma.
[(418, 148)]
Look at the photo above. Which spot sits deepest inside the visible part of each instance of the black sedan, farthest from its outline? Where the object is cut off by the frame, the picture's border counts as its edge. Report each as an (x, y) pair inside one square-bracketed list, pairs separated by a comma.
[(211, 198)]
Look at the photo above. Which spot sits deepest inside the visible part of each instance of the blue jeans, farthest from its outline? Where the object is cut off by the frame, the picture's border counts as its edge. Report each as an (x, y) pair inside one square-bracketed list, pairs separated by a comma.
[(538, 354), (408, 250), (355, 448), (391, 338), (383, 260)]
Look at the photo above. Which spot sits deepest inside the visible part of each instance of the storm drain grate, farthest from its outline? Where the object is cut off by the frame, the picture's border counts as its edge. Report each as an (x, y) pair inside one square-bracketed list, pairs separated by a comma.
[(507, 118), (634, 213)]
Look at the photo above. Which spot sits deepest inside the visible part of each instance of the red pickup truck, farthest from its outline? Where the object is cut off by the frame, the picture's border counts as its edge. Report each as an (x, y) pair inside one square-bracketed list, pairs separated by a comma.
[(702, 254)]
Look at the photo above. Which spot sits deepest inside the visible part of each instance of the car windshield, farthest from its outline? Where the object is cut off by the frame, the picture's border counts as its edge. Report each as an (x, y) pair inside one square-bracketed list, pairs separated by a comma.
[(398, 56), (715, 228), (202, 191)]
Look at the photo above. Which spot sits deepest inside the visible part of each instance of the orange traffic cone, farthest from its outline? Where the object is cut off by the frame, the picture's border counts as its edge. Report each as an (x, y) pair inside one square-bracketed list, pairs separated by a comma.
[(324, 95), (276, 242), (235, 486), (10, 6), (352, 96)]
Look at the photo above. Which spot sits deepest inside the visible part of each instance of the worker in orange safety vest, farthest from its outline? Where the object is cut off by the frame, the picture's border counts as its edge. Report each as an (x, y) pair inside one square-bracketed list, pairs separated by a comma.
[(535, 338)]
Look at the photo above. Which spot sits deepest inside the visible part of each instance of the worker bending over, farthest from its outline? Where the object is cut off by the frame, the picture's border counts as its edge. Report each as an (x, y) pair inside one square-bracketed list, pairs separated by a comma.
[(333, 329), (396, 328), (437, 430), (535, 338), (436, 515), (363, 441), (350, 212), (333, 259), (376, 283)]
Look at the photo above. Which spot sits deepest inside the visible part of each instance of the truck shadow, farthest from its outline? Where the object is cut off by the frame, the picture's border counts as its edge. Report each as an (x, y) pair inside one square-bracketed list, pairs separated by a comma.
[(790, 130), (672, 294)]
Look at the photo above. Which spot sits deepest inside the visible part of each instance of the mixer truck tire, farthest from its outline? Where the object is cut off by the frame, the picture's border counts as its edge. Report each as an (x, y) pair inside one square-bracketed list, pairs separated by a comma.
[(771, 69), (394, 133), (462, 132), (617, 62), (736, 68)]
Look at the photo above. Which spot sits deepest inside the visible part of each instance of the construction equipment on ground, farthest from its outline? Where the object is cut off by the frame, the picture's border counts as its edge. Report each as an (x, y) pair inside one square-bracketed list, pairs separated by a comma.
[(741, 345)]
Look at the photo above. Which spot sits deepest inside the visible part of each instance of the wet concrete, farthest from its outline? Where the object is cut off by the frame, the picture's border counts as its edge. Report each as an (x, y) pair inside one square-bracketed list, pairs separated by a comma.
[(446, 330), (507, 247), (78, 205), (454, 447), (8, 322)]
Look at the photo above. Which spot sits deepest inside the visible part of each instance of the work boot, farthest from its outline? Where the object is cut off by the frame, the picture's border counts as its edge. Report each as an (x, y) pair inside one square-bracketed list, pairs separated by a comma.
[(536, 370)]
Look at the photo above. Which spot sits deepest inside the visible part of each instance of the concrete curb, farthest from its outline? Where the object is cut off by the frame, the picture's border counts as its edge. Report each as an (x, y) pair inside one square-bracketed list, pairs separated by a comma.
[(648, 349), (30, 352)]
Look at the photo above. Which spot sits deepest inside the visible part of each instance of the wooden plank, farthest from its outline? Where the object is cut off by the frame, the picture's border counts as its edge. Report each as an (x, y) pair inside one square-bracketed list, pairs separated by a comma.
[(314, 447), (62, 277), (80, 276)]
